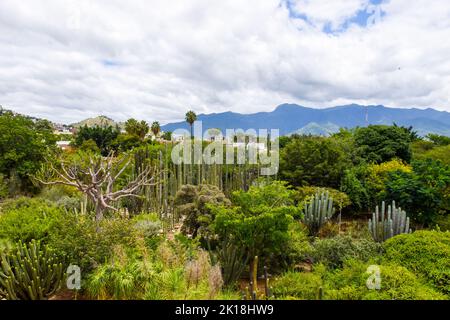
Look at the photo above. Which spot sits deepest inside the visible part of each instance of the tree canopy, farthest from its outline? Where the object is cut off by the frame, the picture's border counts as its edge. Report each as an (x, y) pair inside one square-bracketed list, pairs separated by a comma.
[(24, 145), (380, 143)]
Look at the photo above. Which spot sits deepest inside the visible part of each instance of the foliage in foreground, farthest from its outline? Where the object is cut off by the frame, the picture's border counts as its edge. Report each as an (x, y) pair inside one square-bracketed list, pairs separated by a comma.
[(333, 252), (166, 273), (350, 283), (26, 219), (426, 253), (29, 272)]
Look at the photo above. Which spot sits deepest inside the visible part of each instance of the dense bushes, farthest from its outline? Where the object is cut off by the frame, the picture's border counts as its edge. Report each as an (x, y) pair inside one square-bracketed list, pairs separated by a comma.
[(24, 145), (259, 221), (297, 285), (4, 192), (86, 243), (313, 161), (350, 283), (380, 143), (425, 252), (396, 283), (423, 193), (366, 184), (209, 239), (166, 273), (333, 252), (27, 219)]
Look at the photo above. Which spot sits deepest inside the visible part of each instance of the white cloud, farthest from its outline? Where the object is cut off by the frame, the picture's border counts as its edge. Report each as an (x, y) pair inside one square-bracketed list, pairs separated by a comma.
[(322, 12), (67, 60)]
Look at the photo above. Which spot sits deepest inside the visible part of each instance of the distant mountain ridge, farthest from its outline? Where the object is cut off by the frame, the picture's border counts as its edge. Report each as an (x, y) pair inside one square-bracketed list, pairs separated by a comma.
[(292, 118)]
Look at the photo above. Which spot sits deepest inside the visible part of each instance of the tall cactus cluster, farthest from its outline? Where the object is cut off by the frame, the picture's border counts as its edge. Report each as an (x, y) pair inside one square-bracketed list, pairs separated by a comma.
[(318, 211), (29, 272), (383, 227)]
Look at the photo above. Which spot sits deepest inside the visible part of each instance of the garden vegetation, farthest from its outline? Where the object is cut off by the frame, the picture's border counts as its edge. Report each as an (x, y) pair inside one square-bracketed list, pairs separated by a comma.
[(140, 227)]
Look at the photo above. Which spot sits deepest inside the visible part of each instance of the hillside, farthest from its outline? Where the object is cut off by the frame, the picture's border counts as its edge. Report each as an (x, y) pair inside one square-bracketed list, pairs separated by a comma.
[(97, 121)]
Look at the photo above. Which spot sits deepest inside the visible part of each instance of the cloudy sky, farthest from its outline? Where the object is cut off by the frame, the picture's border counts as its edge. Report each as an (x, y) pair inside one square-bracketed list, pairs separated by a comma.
[(66, 60)]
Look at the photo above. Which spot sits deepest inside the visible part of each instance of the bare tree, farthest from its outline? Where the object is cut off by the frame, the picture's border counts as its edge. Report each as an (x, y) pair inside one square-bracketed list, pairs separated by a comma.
[(96, 177)]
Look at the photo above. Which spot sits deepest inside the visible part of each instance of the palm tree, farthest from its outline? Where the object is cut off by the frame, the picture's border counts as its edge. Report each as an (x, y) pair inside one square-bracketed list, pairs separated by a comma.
[(143, 129), (156, 128), (131, 126), (136, 128), (191, 117)]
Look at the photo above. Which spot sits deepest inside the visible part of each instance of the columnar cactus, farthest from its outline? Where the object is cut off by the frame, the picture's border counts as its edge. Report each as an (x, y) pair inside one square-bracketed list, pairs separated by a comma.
[(383, 227), (29, 272), (318, 211)]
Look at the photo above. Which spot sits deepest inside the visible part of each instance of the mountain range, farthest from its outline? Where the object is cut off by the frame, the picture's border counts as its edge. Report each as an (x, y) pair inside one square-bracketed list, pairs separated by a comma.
[(292, 118)]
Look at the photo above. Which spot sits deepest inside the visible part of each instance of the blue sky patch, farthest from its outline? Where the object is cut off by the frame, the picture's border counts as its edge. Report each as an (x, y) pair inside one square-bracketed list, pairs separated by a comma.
[(110, 63), (363, 18)]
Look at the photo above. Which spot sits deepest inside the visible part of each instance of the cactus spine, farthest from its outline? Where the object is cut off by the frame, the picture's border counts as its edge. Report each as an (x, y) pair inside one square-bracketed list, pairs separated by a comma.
[(383, 227), (318, 211), (29, 273)]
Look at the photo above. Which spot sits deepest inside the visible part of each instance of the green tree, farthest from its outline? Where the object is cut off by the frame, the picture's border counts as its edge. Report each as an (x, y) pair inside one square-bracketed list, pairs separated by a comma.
[(139, 129), (191, 117), (89, 146), (156, 128), (352, 184), (24, 145), (167, 135), (380, 143), (413, 135), (423, 192), (438, 139), (273, 194), (126, 142), (102, 136), (259, 221), (314, 161), (441, 153)]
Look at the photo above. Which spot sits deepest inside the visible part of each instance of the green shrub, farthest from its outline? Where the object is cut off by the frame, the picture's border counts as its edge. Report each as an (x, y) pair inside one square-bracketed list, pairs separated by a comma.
[(297, 285), (162, 274), (397, 283), (118, 280), (150, 227), (423, 193), (333, 252), (263, 232), (423, 252), (88, 244), (62, 196), (27, 219), (298, 248), (4, 192), (443, 222)]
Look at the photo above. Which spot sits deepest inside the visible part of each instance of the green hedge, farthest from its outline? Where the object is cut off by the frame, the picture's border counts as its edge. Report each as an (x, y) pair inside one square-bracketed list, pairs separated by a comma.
[(423, 252), (26, 219)]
